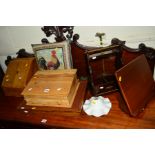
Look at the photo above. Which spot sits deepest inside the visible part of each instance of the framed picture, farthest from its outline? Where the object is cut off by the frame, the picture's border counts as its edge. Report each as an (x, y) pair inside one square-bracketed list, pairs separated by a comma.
[(53, 56)]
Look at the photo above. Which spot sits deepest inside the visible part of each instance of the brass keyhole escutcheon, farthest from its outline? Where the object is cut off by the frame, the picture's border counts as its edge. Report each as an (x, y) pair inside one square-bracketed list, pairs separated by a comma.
[(120, 79)]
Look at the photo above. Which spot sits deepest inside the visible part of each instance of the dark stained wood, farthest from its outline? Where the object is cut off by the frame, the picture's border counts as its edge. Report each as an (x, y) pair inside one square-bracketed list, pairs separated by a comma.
[(22, 53), (116, 119), (136, 84), (128, 54), (1, 74), (124, 53), (102, 64), (79, 57), (59, 32)]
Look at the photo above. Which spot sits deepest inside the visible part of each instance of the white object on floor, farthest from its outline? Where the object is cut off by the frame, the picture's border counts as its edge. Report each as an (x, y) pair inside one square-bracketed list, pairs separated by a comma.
[(97, 106), (43, 120)]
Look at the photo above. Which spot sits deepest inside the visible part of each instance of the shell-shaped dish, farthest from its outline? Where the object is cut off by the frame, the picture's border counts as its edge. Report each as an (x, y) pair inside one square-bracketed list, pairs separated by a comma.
[(97, 106)]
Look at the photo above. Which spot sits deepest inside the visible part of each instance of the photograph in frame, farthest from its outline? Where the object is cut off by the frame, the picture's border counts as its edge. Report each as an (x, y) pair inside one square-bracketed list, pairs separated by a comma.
[(53, 56)]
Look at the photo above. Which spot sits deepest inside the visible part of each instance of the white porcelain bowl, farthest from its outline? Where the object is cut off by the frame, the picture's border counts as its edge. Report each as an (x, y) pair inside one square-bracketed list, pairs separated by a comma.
[(97, 106)]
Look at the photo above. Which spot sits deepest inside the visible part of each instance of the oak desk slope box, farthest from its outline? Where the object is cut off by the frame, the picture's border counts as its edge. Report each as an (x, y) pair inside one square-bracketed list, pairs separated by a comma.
[(18, 74), (136, 84), (52, 88)]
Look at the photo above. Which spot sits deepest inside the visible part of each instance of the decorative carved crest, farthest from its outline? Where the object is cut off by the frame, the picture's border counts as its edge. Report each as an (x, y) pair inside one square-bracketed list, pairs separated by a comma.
[(59, 32), (149, 52)]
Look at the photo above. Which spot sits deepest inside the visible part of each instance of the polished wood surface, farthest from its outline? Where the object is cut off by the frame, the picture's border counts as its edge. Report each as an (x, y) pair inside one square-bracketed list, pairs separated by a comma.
[(136, 84), (115, 119), (102, 64)]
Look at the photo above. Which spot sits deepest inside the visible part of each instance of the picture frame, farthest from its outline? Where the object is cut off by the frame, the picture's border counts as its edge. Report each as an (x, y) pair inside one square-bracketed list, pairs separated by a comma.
[(53, 56)]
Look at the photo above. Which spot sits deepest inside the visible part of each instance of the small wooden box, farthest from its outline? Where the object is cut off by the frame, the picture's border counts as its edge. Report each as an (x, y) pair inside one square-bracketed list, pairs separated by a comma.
[(55, 88), (18, 74)]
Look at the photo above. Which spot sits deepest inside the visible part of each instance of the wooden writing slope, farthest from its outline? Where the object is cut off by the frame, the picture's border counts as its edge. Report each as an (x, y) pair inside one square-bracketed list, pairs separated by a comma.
[(136, 84), (54, 91), (55, 88)]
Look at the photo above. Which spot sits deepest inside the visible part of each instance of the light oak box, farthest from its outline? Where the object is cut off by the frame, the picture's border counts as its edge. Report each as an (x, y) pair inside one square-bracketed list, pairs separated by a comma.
[(18, 74), (55, 88)]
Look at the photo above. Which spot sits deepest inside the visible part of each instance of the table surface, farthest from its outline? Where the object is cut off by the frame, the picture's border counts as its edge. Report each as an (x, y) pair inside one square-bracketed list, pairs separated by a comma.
[(116, 118)]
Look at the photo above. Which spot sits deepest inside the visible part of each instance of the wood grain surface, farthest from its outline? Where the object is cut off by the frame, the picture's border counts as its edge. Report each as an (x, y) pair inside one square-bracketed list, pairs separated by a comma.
[(18, 74), (116, 119), (136, 84)]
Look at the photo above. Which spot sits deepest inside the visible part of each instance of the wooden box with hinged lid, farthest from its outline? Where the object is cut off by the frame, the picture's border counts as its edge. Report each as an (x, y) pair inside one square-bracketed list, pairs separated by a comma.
[(18, 74), (55, 88)]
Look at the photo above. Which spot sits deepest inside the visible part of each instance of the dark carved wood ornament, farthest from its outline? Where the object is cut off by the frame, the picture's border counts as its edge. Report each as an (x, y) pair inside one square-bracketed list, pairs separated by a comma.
[(59, 32)]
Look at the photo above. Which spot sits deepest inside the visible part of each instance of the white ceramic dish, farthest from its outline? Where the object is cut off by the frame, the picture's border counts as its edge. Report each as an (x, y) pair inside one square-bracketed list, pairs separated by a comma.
[(97, 106)]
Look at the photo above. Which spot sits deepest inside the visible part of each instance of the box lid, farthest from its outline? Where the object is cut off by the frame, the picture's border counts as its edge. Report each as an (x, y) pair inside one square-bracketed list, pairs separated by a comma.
[(136, 84), (53, 83)]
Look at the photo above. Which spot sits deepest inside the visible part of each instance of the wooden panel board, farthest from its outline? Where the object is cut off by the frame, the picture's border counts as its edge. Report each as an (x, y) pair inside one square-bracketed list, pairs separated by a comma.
[(136, 84)]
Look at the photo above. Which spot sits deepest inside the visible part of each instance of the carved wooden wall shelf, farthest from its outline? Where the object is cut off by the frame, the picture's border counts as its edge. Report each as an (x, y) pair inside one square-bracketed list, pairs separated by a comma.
[(123, 53)]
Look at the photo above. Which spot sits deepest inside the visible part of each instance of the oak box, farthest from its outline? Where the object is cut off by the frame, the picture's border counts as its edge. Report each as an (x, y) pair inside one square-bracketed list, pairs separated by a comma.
[(52, 88), (18, 74)]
